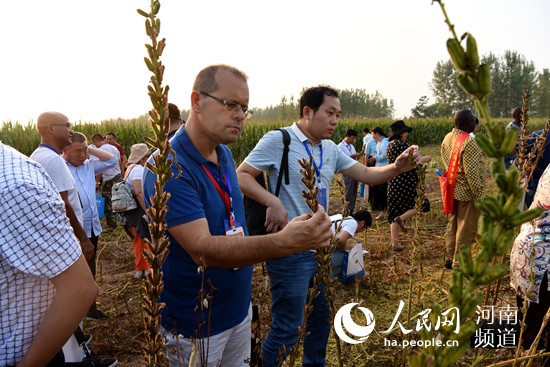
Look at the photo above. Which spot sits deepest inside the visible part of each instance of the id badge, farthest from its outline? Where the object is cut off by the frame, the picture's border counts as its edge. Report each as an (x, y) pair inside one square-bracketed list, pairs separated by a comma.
[(237, 230), (322, 198)]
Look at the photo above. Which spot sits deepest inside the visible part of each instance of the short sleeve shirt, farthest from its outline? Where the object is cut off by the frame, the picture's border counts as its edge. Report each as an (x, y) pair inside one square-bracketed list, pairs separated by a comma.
[(37, 243), (57, 169), (267, 154), (109, 174), (349, 224), (192, 197), (135, 174)]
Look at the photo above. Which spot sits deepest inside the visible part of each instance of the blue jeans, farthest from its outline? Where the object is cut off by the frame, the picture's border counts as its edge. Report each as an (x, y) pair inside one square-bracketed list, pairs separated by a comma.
[(291, 277), (337, 263)]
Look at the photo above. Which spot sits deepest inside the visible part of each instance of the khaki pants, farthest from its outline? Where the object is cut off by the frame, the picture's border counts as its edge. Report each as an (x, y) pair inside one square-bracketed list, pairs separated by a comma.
[(461, 229)]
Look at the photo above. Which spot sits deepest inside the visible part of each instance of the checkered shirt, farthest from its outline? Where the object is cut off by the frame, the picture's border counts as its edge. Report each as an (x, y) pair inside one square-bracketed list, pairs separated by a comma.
[(471, 173), (37, 243)]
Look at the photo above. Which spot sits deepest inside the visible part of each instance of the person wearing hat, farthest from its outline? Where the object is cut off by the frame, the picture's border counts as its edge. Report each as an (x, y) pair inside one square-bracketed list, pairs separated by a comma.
[(134, 219), (401, 189), (376, 149)]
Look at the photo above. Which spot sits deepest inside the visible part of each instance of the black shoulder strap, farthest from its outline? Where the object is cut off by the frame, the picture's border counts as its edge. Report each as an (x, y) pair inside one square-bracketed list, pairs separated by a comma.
[(283, 169)]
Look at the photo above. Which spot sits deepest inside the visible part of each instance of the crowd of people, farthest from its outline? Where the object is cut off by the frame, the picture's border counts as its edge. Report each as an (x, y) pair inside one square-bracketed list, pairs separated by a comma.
[(50, 227)]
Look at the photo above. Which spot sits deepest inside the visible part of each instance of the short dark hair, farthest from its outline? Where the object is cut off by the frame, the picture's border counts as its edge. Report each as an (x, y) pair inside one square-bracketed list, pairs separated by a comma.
[(78, 137), (517, 113), (366, 130), (98, 136), (112, 134), (314, 97), (174, 113), (206, 78), (465, 120), (351, 132), (363, 215)]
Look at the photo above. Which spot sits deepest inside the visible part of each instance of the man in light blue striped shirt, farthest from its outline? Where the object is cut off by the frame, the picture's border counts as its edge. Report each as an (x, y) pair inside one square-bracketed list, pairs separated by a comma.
[(291, 275)]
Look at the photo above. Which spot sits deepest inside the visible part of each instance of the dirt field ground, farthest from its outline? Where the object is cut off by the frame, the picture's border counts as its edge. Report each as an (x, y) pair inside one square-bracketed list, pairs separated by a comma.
[(387, 280)]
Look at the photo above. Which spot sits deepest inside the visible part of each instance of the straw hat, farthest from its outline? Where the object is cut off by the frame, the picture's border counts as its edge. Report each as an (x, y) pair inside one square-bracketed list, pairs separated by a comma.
[(138, 152)]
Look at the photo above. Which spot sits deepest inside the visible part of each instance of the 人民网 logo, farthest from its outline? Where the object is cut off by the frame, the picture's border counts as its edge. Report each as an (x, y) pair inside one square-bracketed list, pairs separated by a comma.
[(343, 320)]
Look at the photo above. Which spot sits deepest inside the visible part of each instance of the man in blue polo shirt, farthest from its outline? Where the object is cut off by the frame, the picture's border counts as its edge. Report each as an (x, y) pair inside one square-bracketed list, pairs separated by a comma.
[(208, 273), (292, 275)]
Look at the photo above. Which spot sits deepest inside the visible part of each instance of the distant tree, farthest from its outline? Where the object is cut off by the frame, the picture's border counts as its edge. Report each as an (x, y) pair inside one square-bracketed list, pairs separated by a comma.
[(541, 95), (358, 103), (354, 103), (511, 74), (425, 110), (445, 88), (420, 109)]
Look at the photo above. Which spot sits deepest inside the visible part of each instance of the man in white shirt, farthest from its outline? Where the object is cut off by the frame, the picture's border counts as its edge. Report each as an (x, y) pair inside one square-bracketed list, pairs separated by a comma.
[(55, 134), (109, 177), (348, 148), (84, 171)]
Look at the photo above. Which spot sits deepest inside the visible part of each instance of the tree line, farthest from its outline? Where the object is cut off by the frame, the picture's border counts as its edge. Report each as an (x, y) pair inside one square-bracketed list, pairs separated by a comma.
[(355, 103), (511, 74)]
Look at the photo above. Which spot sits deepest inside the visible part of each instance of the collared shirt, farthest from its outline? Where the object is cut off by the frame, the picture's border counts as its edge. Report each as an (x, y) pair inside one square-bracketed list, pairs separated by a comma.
[(84, 176), (514, 123), (366, 139), (37, 244), (378, 150), (192, 197), (267, 154), (110, 173), (471, 172), (348, 149)]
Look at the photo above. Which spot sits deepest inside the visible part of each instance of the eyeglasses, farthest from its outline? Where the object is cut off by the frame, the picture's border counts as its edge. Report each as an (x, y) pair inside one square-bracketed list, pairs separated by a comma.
[(230, 105)]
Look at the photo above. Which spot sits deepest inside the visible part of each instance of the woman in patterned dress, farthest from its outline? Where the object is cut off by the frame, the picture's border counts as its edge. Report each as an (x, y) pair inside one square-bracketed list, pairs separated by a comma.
[(401, 189), (535, 236)]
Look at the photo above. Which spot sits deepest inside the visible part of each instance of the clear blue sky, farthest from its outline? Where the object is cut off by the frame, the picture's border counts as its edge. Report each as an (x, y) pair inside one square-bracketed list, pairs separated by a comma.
[(85, 58)]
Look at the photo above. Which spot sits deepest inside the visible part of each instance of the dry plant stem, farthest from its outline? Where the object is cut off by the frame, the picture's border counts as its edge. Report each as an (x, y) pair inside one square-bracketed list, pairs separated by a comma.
[(520, 359), (535, 344), (538, 151), (415, 258), (499, 282), (488, 290), (202, 334), (157, 248), (323, 255), (527, 295), (525, 156)]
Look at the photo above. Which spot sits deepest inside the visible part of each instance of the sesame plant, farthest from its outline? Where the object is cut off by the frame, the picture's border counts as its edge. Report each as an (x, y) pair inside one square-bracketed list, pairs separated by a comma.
[(324, 260), (157, 247), (500, 213)]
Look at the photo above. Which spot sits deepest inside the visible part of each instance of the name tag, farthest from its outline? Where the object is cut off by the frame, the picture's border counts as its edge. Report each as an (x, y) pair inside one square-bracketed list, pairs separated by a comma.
[(237, 231)]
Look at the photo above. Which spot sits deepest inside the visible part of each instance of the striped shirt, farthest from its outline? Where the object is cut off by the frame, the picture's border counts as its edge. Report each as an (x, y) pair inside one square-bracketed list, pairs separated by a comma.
[(267, 154)]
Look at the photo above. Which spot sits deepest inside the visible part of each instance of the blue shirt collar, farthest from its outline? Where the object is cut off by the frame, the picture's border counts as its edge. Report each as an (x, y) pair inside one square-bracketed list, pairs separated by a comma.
[(182, 144)]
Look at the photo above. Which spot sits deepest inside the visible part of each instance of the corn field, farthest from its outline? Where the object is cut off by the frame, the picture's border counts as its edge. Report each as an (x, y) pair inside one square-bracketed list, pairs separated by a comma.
[(426, 132)]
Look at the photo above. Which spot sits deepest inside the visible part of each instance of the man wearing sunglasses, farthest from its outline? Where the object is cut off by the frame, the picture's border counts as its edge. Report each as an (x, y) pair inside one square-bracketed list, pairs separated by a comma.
[(208, 272)]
